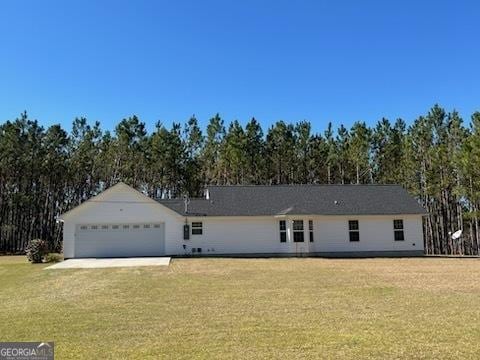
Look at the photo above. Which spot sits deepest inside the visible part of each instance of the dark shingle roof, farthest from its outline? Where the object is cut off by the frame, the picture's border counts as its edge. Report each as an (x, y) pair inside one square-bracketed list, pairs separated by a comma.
[(300, 200)]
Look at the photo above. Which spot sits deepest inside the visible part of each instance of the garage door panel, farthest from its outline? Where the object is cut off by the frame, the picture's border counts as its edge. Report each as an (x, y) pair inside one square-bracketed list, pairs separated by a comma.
[(119, 240)]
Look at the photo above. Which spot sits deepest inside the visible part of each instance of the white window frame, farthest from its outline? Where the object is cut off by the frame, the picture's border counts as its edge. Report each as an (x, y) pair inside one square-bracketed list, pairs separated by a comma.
[(282, 231), (298, 231), (310, 231), (399, 230), (350, 231), (196, 226)]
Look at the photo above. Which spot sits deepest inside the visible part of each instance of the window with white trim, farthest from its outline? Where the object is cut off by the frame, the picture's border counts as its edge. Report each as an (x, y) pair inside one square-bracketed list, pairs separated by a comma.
[(310, 229), (283, 230), (398, 231), (353, 230), (197, 228), (298, 235)]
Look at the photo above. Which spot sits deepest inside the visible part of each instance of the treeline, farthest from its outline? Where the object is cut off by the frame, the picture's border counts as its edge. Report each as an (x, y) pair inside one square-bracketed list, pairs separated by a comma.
[(45, 172)]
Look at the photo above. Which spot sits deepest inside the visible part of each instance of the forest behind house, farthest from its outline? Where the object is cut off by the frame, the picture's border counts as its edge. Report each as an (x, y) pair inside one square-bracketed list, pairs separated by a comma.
[(47, 171)]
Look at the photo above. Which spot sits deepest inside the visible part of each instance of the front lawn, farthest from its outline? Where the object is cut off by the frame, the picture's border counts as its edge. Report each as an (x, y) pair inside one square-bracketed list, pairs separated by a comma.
[(248, 308)]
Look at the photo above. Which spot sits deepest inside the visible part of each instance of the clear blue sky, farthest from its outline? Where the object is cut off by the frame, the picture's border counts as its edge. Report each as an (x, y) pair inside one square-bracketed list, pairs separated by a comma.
[(338, 61)]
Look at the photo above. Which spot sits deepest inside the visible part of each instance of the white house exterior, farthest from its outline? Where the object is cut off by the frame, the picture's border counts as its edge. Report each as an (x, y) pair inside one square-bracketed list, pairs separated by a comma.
[(366, 220)]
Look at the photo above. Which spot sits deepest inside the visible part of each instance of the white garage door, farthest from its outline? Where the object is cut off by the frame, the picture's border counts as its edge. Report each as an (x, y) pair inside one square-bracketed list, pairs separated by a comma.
[(119, 240)]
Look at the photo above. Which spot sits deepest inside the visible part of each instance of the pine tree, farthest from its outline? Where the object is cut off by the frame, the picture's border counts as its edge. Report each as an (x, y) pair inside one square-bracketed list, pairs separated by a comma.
[(320, 168), (255, 153), (211, 151), (359, 151), (130, 143), (84, 166), (193, 144), (332, 153), (343, 146), (280, 146), (387, 151), (233, 155), (303, 156)]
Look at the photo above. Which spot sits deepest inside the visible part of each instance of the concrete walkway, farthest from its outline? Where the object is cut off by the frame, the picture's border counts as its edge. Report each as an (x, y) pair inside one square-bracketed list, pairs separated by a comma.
[(109, 263)]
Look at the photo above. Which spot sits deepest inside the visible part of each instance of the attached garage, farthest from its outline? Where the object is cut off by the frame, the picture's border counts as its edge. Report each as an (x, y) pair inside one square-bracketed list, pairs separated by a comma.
[(119, 222), (119, 240)]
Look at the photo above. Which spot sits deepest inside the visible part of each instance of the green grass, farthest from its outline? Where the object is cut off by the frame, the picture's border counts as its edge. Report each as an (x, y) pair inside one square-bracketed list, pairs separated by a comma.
[(248, 308)]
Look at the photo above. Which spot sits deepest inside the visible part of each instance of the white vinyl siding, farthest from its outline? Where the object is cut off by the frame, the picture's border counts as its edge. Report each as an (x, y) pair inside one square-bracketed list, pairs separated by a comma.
[(331, 234)]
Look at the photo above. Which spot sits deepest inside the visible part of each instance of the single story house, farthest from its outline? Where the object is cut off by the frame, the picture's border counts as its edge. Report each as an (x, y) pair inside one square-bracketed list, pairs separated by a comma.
[(291, 220)]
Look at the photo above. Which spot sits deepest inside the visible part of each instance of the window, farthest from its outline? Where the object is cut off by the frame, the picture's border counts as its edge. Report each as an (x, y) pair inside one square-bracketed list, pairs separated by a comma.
[(398, 233), (197, 228), (94, 227), (104, 227), (353, 230), (310, 229), (146, 226), (136, 226), (283, 230), (398, 224), (126, 226), (298, 231), (83, 227), (156, 226), (114, 226)]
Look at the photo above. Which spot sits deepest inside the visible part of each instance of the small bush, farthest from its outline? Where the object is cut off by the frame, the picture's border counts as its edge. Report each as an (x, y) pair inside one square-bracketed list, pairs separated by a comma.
[(36, 250), (53, 257)]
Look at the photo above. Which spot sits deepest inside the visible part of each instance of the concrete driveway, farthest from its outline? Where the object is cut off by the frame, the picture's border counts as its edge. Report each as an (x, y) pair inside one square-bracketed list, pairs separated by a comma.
[(94, 263)]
